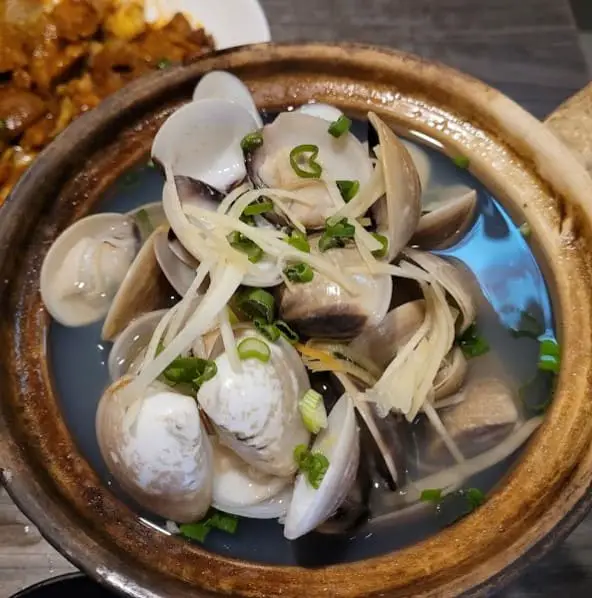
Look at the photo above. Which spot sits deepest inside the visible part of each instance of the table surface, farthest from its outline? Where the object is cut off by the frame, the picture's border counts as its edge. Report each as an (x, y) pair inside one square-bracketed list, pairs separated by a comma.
[(529, 49)]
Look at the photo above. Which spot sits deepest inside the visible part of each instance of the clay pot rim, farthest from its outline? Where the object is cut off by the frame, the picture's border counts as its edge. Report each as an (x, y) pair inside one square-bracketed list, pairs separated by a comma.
[(563, 212)]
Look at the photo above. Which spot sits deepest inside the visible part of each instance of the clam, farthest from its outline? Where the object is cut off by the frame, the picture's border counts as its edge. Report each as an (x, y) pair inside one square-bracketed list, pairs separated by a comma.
[(397, 214), (322, 309), (446, 219), (226, 86), (157, 450), (147, 218), (255, 410), (202, 139), (456, 281), (381, 342), (176, 263), (484, 414), (342, 158), (143, 289), (128, 347), (340, 444), (242, 490), (320, 110), (85, 266), (422, 163)]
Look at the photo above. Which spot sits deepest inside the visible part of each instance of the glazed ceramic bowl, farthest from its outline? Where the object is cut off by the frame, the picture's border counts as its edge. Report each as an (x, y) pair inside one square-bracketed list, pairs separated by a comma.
[(522, 162)]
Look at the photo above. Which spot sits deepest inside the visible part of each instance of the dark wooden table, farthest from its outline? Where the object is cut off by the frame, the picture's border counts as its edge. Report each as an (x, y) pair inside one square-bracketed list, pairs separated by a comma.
[(528, 49)]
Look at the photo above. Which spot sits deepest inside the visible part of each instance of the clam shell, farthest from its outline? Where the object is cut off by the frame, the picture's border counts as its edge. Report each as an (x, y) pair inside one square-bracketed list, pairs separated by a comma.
[(202, 139), (222, 85), (397, 213), (78, 309), (143, 289), (319, 110), (340, 443), (170, 474)]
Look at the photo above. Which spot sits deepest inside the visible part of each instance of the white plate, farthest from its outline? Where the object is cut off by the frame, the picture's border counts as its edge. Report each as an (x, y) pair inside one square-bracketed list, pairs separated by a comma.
[(231, 22)]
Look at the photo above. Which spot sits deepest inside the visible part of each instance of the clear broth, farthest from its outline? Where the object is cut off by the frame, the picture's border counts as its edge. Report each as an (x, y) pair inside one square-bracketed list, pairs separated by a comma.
[(511, 283)]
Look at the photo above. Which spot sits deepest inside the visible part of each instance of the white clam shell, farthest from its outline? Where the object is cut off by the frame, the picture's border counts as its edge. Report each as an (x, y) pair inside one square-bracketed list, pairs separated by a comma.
[(340, 443), (202, 139), (162, 457), (222, 85), (241, 490), (65, 256), (177, 272), (255, 412), (319, 110), (130, 344)]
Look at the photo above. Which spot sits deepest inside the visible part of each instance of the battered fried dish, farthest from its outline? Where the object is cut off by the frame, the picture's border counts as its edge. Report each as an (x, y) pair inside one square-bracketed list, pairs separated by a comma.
[(57, 63)]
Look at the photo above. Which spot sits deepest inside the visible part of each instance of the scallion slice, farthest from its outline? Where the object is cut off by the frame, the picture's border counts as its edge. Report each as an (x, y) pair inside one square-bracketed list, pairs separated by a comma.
[(258, 208), (472, 343), (433, 495), (525, 230), (336, 234), (383, 251), (461, 162), (348, 189), (299, 240), (245, 245), (256, 303), (303, 161), (299, 273), (190, 370), (313, 466), (251, 141), (549, 356), (287, 332), (340, 126), (269, 331), (253, 348), (313, 412), (216, 520)]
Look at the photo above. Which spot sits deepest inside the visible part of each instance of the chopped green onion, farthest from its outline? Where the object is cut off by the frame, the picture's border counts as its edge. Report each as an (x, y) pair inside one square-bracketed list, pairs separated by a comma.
[(525, 230), (257, 303), (336, 234), (313, 466), (549, 356), (189, 370), (251, 141), (269, 331), (253, 348), (461, 162), (195, 531), (312, 411), (255, 209), (340, 126), (245, 245), (287, 332), (432, 495), (365, 221), (348, 189), (383, 251), (474, 497), (163, 63), (306, 155), (472, 343), (217, 520), (298, 240), (299, 273), (143, 223), (150, 163), (528, 327)]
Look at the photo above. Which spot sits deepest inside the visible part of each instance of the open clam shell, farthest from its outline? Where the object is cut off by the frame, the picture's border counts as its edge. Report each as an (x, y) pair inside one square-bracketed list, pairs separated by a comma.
[(255, 410), (143, 289), (202, 139), (222, 85), (320, 110), (446, 221), (322, 309), (85, 266), (397, 214), (130, 344), (162, 456), (343, 158), (241, 490), (340, 443)]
